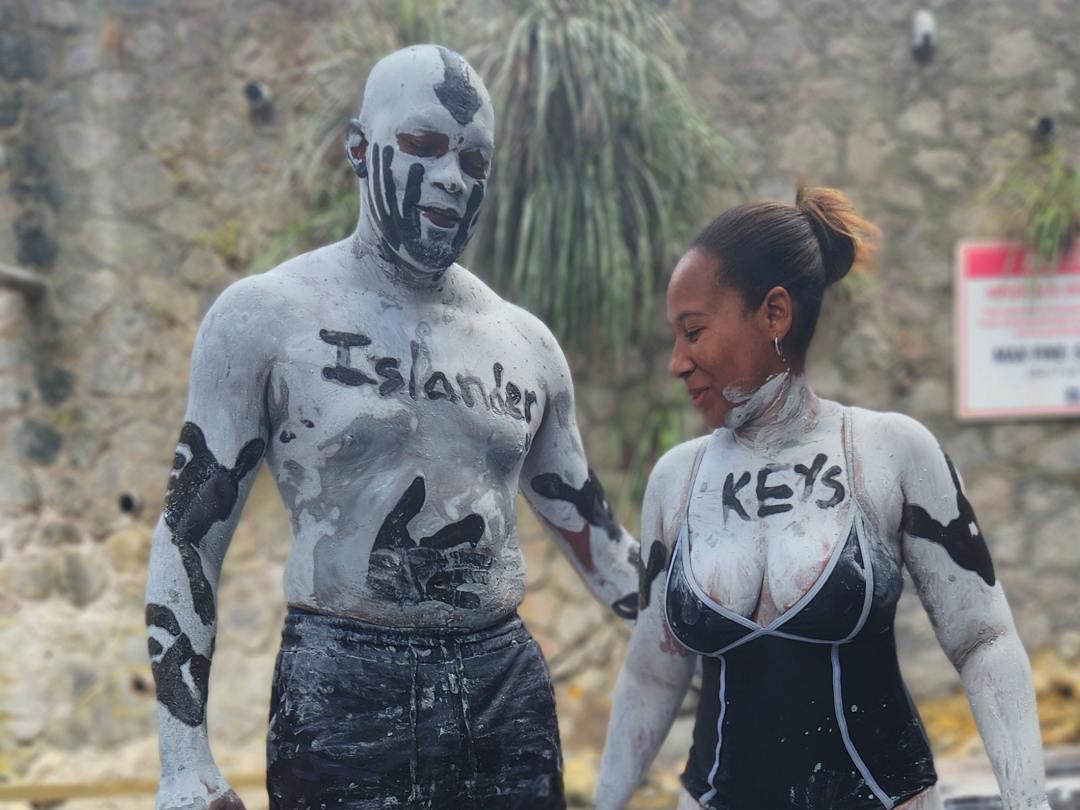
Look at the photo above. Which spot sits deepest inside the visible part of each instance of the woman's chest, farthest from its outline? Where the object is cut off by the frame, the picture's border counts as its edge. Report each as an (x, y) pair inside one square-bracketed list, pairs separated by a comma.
[(763, 532)]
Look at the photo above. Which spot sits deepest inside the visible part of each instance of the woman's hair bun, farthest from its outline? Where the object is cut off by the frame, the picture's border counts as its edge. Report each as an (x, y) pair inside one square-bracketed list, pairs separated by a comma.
[(844, 236)]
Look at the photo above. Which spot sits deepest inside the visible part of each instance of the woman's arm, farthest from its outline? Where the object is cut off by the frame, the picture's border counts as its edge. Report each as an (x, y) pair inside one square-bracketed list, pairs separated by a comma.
[(945, 552), (657, 670)]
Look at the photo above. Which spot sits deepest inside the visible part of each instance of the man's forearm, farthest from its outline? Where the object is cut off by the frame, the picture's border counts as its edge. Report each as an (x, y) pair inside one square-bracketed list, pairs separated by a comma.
[(181, 646), (997, 677)]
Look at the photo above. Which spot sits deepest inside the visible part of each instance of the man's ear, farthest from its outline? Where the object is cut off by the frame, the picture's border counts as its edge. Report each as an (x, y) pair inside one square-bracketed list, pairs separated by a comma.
[(356, 147)]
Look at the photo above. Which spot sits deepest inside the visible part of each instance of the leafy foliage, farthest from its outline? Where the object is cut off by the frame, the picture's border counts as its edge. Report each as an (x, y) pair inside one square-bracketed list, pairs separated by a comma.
[(1042, 193), (601, 157)]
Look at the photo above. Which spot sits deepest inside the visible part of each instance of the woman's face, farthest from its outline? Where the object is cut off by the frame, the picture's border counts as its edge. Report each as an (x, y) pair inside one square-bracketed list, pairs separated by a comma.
[(721, 352)]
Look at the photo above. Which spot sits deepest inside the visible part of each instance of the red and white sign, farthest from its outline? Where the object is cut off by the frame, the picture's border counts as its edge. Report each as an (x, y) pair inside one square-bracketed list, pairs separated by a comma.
[(1018, 334)]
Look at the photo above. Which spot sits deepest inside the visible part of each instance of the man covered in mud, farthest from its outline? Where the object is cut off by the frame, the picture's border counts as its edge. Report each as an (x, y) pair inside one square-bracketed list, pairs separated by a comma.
[(400, 404)]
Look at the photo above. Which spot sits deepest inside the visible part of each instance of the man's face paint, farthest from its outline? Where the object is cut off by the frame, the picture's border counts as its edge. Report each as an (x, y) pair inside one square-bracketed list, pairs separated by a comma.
[(426, 135)]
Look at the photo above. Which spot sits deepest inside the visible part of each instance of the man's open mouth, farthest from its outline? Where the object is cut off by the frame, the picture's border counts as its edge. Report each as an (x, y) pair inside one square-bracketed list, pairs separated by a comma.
[(441, 217)]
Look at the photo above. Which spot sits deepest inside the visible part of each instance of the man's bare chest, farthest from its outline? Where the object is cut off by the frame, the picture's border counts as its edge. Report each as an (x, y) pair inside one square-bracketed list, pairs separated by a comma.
[(362, 389)]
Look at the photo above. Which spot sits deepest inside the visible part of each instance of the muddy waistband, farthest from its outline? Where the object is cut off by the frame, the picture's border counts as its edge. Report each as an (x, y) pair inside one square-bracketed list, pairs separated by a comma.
[(321, 632)]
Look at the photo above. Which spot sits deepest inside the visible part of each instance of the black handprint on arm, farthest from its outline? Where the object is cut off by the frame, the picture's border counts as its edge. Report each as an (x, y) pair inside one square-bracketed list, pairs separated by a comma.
[(201, 493)]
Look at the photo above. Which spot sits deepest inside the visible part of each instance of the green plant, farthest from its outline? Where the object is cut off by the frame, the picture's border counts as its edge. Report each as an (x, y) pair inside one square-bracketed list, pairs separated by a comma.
[(601, 158), (1041, 192)]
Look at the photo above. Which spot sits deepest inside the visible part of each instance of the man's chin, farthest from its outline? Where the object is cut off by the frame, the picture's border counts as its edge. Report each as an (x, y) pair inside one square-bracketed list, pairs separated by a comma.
[(430, 257)]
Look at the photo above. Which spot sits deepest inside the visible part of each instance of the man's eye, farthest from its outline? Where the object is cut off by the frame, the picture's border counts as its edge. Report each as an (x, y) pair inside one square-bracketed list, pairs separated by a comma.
[(474, 164), (692, 335), (426, 146)]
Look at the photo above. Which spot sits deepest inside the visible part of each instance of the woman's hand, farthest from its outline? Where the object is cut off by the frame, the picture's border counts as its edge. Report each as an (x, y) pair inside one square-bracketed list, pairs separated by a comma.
[(203, 790)]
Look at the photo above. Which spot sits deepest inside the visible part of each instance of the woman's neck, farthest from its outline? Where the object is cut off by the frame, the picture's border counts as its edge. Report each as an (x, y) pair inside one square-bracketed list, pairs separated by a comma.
[(778, 414)]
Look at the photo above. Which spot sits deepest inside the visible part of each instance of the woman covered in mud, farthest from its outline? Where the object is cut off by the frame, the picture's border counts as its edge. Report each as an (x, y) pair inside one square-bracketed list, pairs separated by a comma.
[(782, 536)]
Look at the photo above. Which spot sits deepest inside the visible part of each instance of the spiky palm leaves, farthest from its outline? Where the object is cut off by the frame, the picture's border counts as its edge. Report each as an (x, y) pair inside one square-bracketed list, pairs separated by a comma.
[(1042, 192), (601, 157)]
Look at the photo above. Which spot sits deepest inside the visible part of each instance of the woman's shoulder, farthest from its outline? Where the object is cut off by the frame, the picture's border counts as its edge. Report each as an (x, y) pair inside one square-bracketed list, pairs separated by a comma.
[(894, 434), (672, 470)]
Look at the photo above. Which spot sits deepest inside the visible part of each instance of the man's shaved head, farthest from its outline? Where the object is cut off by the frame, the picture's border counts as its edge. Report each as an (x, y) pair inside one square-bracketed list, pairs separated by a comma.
[(423, 141)]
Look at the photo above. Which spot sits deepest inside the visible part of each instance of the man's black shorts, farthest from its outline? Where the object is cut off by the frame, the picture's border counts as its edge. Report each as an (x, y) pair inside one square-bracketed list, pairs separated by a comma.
[(363, 717)]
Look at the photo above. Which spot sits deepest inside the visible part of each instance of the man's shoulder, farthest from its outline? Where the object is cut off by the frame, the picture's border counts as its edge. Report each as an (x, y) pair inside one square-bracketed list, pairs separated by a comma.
[(489, 303)]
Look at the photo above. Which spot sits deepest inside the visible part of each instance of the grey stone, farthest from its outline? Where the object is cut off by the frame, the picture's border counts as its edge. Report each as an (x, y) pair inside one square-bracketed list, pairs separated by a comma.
[(810, 147), (147, 42), (22, 56), (54, 384), (760, 9), (727, 37), (923, 118), (37, 247), (116, 363), (1007, 542), (1062, 455), (82, 60), (29, 577), (945, 168), (185, 218), (13, 353), (79, 577), (166, 130), (1016, 53), (143, 185), (225, 133), (202, 267), (120, 243), (86, 295), (868, 147), (930, 397), (967, 448), (37, 442), (1057, 541), (84, 448), (58, 534), (86, 146), (112, 88), (19, 491), (59, 15), (1012, 442), (1040, 498), (10, 106)]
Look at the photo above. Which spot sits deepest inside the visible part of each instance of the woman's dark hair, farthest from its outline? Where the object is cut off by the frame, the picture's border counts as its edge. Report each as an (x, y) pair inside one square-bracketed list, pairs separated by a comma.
[(803, 248)]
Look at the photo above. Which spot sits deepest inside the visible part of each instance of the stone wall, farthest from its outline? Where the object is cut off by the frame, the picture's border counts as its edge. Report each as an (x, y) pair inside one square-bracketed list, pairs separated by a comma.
[(137, 183)]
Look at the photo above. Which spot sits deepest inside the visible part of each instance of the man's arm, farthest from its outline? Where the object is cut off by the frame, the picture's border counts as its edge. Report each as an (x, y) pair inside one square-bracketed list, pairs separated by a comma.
[(657, 670), (221, 444), (570, 502), (946, 554)]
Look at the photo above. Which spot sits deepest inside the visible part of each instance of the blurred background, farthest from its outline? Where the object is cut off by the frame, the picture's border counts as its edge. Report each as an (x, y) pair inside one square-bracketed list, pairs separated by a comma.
[(152, 152)]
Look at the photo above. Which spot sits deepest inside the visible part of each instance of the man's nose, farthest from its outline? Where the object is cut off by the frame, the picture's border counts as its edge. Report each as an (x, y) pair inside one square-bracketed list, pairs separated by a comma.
[(447, 175), (680, 365)]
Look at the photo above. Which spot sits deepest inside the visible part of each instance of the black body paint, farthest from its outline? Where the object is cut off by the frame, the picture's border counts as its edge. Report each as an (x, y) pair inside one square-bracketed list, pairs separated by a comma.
[(649, 571), (588, 500), (960, 537), (472, 209), (829, 480), (173, 692), (765, 492), (455, 92), (731, 493), (201, 493), (782, 492), (432, 568), (435, 386), (810, 474)]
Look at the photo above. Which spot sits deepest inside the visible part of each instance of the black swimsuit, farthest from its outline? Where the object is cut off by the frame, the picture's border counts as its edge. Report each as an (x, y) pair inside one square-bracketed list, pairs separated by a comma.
[(810, 710)]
